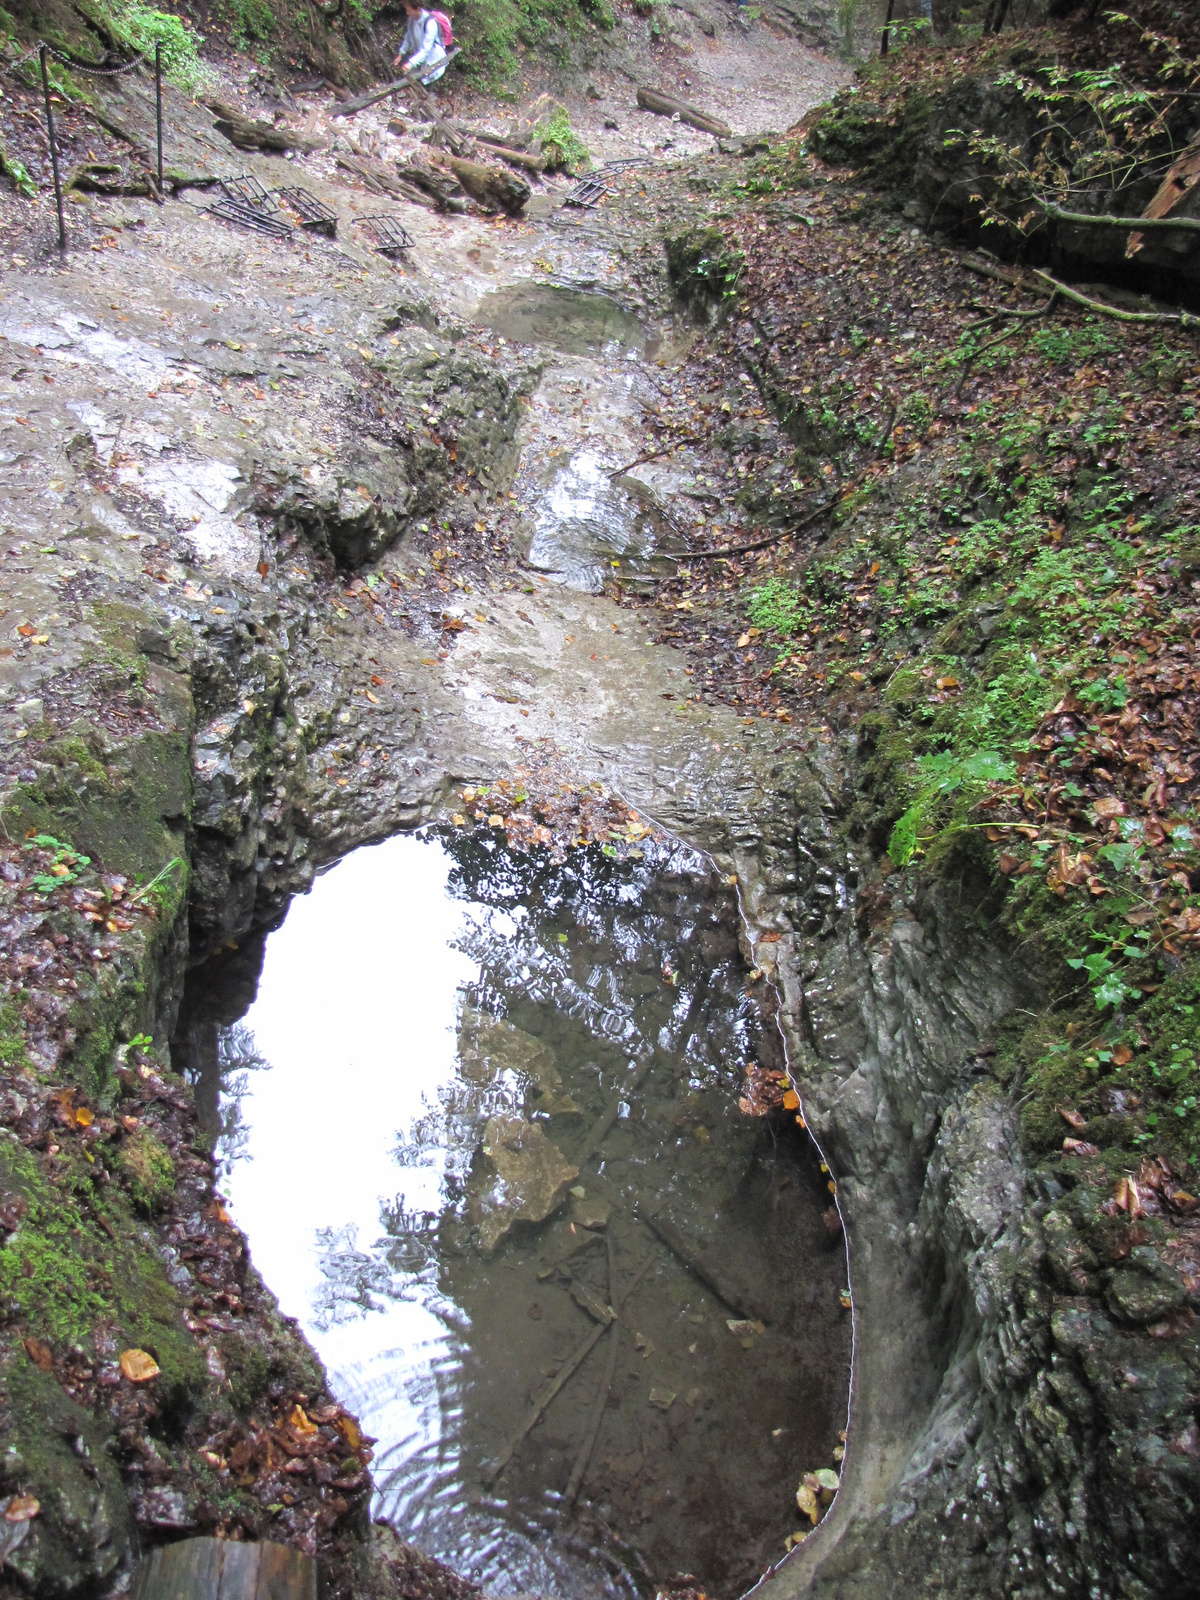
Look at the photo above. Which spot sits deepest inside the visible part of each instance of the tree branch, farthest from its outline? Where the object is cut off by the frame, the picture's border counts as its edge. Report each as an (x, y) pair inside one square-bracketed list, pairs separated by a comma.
[(1102, 220), (1181, 319)]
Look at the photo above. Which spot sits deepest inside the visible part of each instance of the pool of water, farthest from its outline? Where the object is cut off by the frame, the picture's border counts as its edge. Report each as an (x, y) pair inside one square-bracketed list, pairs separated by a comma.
[(466, 1102), (575, 322)]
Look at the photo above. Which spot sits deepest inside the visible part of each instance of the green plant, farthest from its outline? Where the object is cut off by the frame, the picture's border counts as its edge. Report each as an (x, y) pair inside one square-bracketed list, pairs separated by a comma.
[(252, 19), (1106, 969), (561, 143), (67, 867), (17, 174), (777, 607), (943, 773), (156, 886), (140, 27)]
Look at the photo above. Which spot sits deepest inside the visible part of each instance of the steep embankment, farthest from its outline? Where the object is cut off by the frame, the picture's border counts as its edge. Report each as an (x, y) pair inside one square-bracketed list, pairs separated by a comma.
[(988, 608)]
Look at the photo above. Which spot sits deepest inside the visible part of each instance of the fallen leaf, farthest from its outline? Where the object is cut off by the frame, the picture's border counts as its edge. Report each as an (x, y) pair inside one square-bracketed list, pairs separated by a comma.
[(1108, 806), (138, 1366), (1080, 1147), (39, 1353), (1122, 1055), (83, 1117), (791, 1100), (1069, 1114), (664, 1399), (300, 1424), (21, 1508)]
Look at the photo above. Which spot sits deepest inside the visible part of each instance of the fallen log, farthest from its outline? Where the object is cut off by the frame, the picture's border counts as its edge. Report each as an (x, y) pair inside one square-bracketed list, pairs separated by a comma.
[(596, 1418), (264, 136), (709, 1274), (491, 185), (379, 180), (439, 187), (580, 1354), (666, 105), (515, 158), (373, 96)]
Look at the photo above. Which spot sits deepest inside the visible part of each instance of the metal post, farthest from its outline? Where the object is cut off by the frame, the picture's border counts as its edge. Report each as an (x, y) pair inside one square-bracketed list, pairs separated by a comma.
[(158, 104), (886, 40), (62, 226)]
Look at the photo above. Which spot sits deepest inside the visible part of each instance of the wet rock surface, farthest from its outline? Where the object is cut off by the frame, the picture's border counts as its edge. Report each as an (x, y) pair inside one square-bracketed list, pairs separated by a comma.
[(1023, 1417)]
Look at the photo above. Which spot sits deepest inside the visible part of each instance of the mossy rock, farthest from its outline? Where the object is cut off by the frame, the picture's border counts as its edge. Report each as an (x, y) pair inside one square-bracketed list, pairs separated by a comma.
[(703, 267), (147, 1166)]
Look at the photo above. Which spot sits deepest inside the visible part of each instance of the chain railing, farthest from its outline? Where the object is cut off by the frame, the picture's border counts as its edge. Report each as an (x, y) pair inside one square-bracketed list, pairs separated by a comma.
[(43, 51)]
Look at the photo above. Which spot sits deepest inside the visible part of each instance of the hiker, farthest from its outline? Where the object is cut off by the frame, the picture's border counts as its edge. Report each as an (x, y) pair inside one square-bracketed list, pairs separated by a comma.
[(424, 44)]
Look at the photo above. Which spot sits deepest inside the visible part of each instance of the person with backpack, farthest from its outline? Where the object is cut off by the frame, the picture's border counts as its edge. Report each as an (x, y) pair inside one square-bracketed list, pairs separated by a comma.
[(427, 38)]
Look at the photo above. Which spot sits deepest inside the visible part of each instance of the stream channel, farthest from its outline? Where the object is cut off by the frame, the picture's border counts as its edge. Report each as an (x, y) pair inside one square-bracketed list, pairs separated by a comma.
[(465, 1100)]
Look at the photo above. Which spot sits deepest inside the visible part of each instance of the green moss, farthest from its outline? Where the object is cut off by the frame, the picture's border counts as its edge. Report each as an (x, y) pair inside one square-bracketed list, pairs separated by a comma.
[(497, 34), (1134, 1079), (147, 1165), (561, 145), (703, 266), (14, 1054)]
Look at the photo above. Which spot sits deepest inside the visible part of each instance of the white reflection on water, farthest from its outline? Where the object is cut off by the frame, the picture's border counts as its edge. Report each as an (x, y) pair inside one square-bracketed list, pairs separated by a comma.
[(357, 1012)]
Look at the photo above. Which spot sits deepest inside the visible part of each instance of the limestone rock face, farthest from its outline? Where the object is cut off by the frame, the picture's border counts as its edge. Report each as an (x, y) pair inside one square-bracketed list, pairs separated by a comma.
[(527, 1181)]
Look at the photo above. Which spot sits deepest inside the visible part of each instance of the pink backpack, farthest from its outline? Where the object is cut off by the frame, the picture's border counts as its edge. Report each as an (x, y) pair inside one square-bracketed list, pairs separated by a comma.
[(445, 28)]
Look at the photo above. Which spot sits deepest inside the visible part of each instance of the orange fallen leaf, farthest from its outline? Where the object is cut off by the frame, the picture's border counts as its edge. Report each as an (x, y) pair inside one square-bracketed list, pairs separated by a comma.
[(1069, 1114), (1122, 1055), (138, 1366), (21, 1508), (39, 1353), (350, 1432), (83, 1117), (300, 1423), (791, 1100)]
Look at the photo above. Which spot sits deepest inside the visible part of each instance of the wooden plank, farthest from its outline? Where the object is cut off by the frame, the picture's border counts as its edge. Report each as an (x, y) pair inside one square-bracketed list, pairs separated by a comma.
[(223, 1569)]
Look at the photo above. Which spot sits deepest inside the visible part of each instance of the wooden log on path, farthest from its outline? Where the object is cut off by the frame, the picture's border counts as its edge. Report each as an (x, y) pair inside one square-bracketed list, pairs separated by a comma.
[(373, 96), (666, 105), (265, 136), (491, 185), (222, 1569), (516, 158), (379, 179), (440, 188), (709, 1273)]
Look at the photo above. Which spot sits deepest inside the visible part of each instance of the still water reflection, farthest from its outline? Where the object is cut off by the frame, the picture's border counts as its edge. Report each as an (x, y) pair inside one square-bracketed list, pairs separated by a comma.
[(455, 1094)]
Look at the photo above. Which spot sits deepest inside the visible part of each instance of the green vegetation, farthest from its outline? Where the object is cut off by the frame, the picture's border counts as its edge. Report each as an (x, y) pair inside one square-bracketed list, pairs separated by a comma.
[(66, 867), (17, 174), (497, 34), (147, 1165), (561, 145), (140, 28)]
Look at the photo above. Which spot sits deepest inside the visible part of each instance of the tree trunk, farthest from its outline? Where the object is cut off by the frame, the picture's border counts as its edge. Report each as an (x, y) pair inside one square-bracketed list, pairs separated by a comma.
[(886, 38), (491, 185), (665, 105), (515, 158), (264, 136)]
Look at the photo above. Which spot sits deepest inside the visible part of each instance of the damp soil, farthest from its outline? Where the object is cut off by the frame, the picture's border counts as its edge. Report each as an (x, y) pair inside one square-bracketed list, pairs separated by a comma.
[(411, 1084)]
